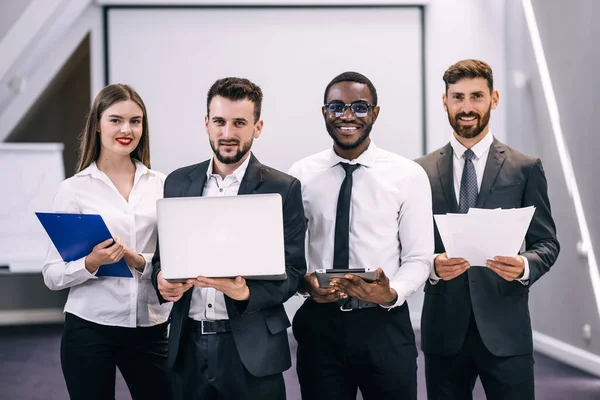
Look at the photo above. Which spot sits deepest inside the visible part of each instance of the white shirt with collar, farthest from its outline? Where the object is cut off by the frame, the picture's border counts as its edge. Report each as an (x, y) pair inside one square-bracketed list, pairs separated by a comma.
[(209, 303), (481, 151), (114, 301), (391, 223)]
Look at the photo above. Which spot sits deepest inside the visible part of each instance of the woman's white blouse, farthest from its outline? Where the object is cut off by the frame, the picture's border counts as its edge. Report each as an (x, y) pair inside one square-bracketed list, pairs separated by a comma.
[(126, 302)]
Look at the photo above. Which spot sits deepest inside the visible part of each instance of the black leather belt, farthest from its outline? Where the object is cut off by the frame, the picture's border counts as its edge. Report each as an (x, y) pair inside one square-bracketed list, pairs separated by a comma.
[(206, 327), (352, 303)]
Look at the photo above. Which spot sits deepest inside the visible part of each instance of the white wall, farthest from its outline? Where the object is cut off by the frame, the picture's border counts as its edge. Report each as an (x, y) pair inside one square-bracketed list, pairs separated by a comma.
[(456, 30), (10, 11), (292, 53)]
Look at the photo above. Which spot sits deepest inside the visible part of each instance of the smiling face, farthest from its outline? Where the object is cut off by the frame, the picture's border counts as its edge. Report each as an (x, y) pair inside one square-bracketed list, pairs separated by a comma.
[(349, 132), (468, 103), (120, 129), (231, 128)]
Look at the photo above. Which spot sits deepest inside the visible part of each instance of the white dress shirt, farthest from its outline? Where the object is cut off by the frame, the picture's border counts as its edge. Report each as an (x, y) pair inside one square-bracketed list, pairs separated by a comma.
[(391, 223), (209, 303), (481, 151), (115, 301)]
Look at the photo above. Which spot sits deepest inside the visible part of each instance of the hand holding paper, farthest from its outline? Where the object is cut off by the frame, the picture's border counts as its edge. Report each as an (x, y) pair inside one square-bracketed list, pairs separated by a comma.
[(482, 234), (508, 268), (449, 268)]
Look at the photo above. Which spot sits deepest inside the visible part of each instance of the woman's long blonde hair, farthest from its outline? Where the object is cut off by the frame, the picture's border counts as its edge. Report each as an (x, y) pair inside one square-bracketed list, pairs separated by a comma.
[(89, 141)]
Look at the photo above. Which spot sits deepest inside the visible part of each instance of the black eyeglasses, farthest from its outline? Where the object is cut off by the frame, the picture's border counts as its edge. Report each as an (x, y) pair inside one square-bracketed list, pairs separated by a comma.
[(358, 108)]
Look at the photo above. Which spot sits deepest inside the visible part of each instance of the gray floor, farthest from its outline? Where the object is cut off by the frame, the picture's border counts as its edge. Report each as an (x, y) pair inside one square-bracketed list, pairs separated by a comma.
[(30, 370)]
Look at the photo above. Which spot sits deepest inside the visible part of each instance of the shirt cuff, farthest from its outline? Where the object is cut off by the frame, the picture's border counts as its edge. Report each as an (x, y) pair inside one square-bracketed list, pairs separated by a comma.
[(524, 280), (402, 293), (77, 268), (147, 272), (433, 278)]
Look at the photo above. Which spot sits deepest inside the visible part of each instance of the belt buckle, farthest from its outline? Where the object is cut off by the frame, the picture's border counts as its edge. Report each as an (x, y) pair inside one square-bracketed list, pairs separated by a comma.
[(346, 309), (202, 328)]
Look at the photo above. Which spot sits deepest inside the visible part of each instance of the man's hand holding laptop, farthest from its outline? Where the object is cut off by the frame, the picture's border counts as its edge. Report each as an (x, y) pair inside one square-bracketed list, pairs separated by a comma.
[(171, 291), (234, 288)]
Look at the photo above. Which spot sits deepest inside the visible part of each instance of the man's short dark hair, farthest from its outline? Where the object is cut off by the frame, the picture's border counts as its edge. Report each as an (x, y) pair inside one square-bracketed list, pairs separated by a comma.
[(469, 69), (236, 89), (351, 76)]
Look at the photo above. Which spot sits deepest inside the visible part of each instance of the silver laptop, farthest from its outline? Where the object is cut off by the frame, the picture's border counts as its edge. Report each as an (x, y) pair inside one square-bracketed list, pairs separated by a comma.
[(221, 237)]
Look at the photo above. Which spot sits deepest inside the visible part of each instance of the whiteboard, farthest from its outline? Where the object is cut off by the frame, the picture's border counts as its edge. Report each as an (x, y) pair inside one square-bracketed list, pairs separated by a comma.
[(173, 55), (31, 174)]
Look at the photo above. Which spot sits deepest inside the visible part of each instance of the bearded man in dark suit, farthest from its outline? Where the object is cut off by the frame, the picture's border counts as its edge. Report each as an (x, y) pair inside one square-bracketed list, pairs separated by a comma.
[(475, 319)]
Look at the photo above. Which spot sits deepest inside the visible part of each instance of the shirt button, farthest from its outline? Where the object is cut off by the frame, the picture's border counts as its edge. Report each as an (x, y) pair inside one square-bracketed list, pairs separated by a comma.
[(210, 306), (221, 189)]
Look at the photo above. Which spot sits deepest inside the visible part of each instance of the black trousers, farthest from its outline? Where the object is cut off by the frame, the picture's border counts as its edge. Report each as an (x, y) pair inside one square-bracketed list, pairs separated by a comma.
[(209, 367), (502, 378), (90, 354), (338, 352)]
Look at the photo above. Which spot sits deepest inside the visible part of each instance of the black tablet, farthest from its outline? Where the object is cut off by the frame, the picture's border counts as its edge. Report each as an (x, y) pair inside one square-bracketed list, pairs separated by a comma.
[(325, 275)]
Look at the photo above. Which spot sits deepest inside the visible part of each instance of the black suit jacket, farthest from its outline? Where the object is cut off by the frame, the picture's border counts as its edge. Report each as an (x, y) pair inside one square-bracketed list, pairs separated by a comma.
[(511, 179), (260, 324)]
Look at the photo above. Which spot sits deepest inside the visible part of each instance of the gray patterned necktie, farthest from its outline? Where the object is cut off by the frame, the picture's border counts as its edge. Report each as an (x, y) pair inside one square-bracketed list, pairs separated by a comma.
[(468, 184)]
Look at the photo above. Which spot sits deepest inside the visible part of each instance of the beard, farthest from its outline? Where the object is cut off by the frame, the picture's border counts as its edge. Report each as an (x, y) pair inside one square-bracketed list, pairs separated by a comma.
[(348, 146), (469, 132), (243, 149)]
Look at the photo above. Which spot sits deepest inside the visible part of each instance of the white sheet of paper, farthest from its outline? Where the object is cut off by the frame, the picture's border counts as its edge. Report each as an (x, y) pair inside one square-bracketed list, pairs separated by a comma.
[(482, 234)]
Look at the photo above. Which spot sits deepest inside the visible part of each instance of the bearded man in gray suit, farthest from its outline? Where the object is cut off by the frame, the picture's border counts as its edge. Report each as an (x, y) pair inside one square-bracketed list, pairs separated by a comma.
[(475, 319)]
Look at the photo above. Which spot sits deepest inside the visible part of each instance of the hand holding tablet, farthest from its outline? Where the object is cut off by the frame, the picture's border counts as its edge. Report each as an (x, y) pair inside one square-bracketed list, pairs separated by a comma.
[(324, 275)]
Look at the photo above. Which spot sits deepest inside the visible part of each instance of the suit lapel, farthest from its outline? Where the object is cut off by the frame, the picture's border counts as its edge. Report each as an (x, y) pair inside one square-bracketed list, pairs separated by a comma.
[(197, 180), (494, 162), (445, 171), (252, 178)]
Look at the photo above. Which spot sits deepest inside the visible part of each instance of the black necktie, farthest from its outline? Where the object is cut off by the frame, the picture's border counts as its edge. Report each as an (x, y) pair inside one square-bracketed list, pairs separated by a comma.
[(341, 247), (468, 184)]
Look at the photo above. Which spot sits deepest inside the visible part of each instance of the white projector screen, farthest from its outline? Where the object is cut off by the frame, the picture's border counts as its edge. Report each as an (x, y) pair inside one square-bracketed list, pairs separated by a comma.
[(173, 55)]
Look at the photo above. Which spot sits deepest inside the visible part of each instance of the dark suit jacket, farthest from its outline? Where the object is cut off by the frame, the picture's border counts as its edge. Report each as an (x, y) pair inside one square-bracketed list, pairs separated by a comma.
[(259, 324), (511, 179)]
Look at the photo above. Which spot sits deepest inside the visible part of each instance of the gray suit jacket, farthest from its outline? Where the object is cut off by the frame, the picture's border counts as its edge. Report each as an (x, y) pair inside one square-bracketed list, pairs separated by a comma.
[(260, 324), (511, 179)]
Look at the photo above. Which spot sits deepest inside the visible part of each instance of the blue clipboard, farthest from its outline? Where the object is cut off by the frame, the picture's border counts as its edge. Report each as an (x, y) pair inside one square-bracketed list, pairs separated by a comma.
[(75, 235)]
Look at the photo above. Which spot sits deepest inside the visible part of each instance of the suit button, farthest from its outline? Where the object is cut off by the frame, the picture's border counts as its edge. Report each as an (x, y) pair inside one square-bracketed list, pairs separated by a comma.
[(210, 306)]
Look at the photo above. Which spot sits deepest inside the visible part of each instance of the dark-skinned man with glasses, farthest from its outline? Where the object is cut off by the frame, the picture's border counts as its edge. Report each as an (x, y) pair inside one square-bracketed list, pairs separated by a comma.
[(366, 208)]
